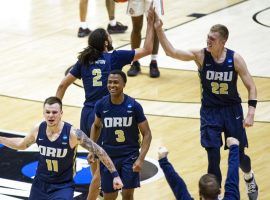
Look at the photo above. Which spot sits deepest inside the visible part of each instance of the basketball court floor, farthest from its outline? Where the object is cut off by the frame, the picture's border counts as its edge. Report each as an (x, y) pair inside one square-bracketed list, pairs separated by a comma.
[(39, 43)]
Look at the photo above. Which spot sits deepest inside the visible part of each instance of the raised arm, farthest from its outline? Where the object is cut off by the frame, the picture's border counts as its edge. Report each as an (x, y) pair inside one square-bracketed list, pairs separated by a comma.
[(245, 76), (148, 43), (21, 143), (232, 180), (184, 55), (147, 137), (65, 83)]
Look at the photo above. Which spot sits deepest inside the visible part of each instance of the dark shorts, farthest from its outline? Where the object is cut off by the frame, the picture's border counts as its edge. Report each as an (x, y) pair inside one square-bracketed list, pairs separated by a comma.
[(228, 119), (43, 191), (87, 119), (123, 165)]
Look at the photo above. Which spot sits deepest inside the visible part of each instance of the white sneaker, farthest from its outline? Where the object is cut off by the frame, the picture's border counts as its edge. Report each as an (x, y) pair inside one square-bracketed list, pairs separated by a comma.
[(252, 188), (162, 152)]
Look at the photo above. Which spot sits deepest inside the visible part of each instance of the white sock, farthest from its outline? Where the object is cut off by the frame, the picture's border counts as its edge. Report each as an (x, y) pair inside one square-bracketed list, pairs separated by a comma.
[(83, 25), (113, 22), (154, 57), (248, 176)]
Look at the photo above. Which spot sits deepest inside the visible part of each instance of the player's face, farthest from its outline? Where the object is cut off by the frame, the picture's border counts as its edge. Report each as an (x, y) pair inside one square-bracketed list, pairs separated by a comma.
[(214, 41), (52, 114), (115, 84)]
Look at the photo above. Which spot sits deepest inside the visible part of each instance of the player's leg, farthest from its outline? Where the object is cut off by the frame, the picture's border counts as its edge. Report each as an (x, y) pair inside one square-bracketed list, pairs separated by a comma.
[(114, 26), (131, 180), (38, 191), (83, 30), (135, 38), (95, 183), (234, 128), (107, 182), (128, 194), (251, 185), (110, 196), (153, 67), (136, 11), (87, 119), (213, 155), (61, 192), (211, 128)]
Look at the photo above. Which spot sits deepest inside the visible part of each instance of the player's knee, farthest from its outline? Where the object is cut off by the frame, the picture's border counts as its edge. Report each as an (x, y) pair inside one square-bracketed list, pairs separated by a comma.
[(127, 194), (83, 1)]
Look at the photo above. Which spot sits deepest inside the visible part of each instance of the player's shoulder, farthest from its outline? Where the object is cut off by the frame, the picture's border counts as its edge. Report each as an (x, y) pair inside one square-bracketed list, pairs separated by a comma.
[(132, 102), (103, 100)]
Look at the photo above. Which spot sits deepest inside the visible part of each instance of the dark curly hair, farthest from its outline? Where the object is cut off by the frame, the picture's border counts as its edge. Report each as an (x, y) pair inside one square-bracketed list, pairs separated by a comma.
[(96, 41)]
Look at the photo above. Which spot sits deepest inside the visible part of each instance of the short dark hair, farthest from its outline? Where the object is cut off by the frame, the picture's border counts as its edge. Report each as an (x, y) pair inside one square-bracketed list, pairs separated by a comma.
[(209, 186), (221, 29), (53, 100), (121, 73)]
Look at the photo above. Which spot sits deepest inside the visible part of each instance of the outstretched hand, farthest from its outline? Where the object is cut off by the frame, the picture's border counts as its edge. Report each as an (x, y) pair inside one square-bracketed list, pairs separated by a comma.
[(158, 22), (151, 14)]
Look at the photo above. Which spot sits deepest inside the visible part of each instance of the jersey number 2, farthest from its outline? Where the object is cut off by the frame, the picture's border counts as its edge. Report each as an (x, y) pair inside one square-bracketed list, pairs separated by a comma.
[(219, 88), (97, 77)]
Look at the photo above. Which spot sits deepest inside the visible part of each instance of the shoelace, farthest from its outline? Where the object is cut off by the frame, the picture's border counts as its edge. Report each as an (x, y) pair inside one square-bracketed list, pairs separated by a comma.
[(251, 187)]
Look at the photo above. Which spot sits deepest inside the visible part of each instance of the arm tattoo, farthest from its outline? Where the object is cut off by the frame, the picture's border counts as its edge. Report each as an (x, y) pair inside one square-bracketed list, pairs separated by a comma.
[(91, 146)]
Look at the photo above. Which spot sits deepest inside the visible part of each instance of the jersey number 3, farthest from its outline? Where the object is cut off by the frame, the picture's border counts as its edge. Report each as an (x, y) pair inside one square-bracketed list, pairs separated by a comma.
[(219, 88), (120, 136), (97, 77)]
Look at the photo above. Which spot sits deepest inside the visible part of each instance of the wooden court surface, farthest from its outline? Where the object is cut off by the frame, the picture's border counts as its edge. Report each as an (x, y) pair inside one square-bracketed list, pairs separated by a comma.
[(38, 43)]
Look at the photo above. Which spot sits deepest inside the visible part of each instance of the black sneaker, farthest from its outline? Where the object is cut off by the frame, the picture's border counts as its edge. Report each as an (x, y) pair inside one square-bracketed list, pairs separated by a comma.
[(118, 28), (154, 72), (135, 69), (83, 32)]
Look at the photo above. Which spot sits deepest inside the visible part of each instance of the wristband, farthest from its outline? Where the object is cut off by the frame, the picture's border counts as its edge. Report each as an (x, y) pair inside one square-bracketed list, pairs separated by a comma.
[(252, 103), (115, 174)]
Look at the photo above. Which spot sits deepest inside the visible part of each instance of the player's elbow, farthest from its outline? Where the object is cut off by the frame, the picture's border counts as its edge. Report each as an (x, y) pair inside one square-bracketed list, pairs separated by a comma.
[(148, 136), (21, 147)]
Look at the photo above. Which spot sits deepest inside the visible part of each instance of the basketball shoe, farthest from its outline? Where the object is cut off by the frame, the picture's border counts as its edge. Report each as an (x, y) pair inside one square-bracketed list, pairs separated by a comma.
[(252, 188), (135, 69), (154, 72), (83, 32), (118, 28)]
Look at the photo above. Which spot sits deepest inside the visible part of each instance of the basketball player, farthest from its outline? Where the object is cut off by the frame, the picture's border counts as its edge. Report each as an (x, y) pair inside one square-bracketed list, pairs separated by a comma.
[(221, 109), (120, 119), (136, 9), (209, 187), (57, 142), (93, 67)]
